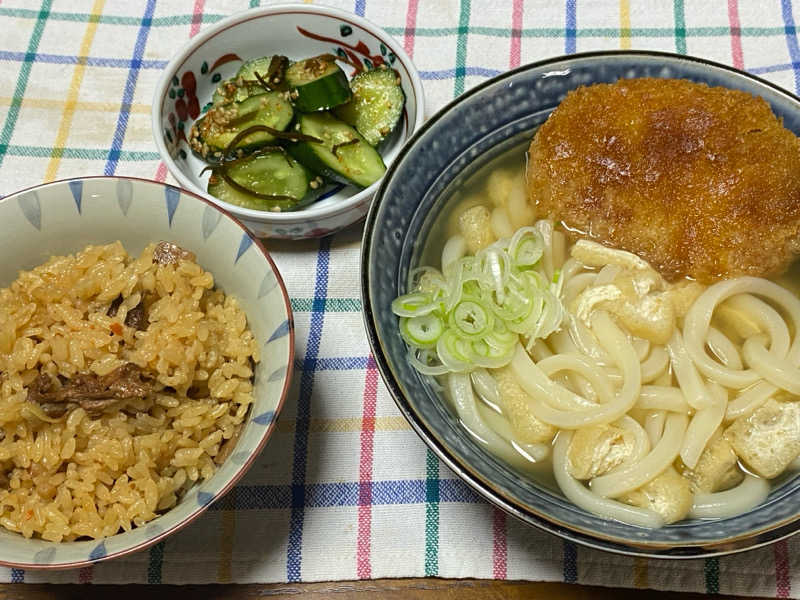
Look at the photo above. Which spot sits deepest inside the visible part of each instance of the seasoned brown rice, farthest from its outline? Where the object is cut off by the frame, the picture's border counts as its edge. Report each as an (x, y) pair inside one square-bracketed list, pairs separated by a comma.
[(93, 474)]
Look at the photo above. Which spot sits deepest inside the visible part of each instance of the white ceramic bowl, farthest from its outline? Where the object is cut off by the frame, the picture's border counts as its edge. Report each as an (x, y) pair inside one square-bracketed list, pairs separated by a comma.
[(297, 31), (65, 216)]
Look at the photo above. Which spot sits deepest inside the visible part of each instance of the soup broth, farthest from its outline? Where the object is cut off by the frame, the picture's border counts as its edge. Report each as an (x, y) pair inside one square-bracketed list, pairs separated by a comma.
[(696, 427)]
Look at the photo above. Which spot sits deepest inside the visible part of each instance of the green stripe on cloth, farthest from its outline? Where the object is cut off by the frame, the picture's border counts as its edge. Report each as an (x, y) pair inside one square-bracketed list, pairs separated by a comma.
[(711, 571), (503, 32), (680, 27), (155, 563), (331, 304), (461, 48), (22, 80), (172, 20), (85, 153), (431, 515), (592, 32)]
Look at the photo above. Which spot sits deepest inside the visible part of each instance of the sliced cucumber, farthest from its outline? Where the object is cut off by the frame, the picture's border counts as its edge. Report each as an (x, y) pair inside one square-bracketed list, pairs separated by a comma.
[(317, 84), (229, 91), (376, 106), (343, 155), (270, 181), (212, 134), (271, 70)]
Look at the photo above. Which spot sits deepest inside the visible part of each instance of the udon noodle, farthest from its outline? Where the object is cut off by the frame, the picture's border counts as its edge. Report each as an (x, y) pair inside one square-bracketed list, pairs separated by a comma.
[(651, 402)]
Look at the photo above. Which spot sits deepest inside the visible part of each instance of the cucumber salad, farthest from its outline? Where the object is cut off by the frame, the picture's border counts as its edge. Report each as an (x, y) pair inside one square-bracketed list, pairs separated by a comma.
[(277, 132)]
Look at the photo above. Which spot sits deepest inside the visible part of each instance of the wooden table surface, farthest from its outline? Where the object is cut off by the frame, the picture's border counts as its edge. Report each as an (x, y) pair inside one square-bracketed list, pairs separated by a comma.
[(382, 589)]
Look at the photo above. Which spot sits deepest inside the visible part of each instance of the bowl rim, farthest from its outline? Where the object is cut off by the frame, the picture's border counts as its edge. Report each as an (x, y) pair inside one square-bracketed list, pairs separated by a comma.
[(268, 431), (485, 488), (189, 47)]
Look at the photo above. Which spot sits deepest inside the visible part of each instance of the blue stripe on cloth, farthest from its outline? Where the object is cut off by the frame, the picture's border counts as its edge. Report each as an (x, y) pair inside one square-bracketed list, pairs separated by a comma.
[(571, 26), (130, 86), (773, 68), (17, 576), (124, 63), (294, 546), (346, 493), (791, 40), (359, 8), (450, 73), (570, 562), (344, 363), (91, 61)]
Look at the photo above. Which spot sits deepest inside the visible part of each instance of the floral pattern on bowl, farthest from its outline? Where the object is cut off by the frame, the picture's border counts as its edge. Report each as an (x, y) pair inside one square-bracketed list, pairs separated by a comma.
[(187, 105), (297, 31)]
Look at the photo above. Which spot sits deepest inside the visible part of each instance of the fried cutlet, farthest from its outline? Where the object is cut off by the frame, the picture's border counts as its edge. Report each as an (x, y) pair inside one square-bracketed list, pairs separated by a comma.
[(699, 181)]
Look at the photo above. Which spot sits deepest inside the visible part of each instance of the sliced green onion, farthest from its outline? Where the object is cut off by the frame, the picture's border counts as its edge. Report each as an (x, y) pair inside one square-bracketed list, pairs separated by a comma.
[(416, 276), (558, 282), (470, 318), (502, 336), (413, 305), (518, 302), (426, 361), (474, 313), (526, 247), (490, 357), (451, 355), (530, 322), (421, 331)]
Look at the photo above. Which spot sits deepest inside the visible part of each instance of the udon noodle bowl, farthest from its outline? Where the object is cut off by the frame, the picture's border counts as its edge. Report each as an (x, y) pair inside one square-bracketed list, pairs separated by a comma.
[(640, 400), (124, 380)]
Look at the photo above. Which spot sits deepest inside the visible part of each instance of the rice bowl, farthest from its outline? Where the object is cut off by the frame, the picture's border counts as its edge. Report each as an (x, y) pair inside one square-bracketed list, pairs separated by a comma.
[(230, 288), (110, 414)]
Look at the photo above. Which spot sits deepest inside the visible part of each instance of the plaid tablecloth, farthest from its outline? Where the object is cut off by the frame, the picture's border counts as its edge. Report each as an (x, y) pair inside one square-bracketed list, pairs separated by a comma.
[(345, 489)]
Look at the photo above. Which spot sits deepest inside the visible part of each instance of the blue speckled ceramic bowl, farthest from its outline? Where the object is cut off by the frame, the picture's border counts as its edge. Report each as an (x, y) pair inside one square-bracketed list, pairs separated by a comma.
[(64, 217), (481, 124)]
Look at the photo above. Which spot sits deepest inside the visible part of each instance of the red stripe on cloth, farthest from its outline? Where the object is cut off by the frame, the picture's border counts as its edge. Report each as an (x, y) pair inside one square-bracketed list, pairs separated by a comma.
[(364, 565), (161, 172), (411, 25), (197, 17), (85, 574), (783, 579), (500, 549), (736, 34), (516, 34)]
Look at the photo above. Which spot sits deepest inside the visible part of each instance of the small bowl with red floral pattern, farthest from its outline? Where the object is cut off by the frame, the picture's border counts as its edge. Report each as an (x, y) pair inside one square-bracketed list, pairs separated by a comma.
[(297, 31)]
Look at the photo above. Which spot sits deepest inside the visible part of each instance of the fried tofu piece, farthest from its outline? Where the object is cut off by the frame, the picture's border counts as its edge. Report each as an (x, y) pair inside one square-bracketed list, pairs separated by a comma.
[(669, 494), (498, 186), (717, 469), (698, 181), (683, 294), (769, 439), (598, 449), (650, 315), (475, 224), (514, 399)]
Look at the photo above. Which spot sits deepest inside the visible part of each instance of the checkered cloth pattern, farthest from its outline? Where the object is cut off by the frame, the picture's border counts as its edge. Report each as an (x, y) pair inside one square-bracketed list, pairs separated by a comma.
[(345, 489)]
